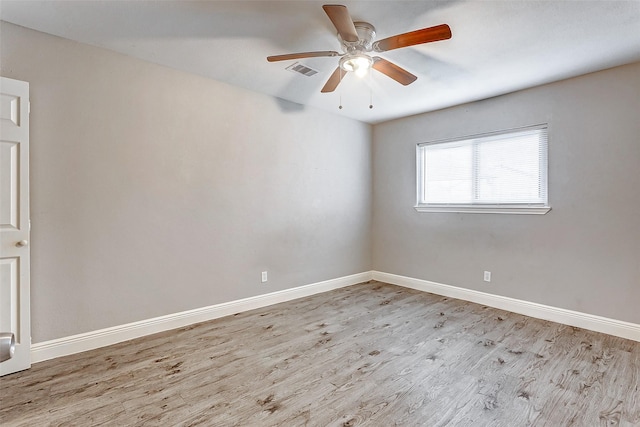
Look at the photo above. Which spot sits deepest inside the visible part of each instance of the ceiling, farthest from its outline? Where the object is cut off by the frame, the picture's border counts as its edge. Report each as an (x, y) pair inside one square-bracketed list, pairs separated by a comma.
[(497, 46)]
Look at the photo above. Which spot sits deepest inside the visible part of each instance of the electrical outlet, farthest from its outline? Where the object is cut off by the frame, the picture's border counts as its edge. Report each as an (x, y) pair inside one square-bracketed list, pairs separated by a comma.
[(264, 276), (487, 276)]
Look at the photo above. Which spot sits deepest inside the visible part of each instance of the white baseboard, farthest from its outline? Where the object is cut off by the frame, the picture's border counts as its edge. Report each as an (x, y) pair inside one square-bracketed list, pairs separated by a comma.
[(91, 340), (568, 317)]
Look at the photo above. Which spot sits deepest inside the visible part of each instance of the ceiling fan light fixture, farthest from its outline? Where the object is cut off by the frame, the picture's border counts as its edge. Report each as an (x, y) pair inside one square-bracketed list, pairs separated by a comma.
[(357, 41), (358, 63)]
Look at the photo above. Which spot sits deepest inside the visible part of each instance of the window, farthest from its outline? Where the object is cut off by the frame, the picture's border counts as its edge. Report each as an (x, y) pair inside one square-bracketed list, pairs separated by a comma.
[(502, 172)]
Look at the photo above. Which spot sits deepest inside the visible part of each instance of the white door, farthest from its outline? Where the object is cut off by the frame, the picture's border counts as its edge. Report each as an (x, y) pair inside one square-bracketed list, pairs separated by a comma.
[(15, 313)]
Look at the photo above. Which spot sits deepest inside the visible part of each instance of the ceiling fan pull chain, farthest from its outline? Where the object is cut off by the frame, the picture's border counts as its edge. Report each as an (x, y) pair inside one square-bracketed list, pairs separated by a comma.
[(370, 90), (340, 93)]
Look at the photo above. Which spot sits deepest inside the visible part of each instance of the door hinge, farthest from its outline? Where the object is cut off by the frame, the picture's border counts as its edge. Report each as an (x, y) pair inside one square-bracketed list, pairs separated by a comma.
[(29, 107)]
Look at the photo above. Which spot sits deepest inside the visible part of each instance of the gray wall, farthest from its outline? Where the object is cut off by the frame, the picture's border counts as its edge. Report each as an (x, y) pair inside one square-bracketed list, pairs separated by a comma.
[(155, 191), (583, 255)]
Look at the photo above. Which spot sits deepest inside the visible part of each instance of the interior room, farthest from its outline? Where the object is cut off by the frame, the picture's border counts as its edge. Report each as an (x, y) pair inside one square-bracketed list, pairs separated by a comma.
[(204, 236)]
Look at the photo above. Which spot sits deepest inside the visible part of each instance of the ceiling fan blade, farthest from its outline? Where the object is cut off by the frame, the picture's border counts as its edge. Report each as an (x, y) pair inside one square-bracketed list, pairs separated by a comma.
[(425, 35), (390, 69), (334, 80), (302, 55), (341, 19)]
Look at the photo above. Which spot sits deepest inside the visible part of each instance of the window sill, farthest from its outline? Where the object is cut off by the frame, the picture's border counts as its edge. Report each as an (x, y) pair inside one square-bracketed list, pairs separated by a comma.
[(493, 209)]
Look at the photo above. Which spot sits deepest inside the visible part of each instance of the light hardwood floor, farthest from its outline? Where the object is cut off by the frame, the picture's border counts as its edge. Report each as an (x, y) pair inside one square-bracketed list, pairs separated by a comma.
[(371, 354)]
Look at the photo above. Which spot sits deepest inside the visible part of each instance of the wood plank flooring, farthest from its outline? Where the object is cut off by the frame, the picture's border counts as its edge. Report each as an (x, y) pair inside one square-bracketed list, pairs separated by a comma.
[(371, 354)]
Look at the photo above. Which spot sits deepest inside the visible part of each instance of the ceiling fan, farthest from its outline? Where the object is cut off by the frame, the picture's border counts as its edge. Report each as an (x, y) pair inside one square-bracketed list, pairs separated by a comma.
[(357, 41)]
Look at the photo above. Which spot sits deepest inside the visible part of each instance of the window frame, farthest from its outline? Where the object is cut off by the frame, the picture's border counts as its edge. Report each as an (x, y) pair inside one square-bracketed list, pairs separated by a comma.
[(501, 208)]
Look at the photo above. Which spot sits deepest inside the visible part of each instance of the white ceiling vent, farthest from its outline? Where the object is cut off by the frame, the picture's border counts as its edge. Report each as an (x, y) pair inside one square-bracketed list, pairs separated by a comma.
[(297, 67)]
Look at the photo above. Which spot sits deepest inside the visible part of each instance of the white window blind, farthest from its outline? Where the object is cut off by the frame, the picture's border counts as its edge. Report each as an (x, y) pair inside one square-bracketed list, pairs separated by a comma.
[(502, 172)]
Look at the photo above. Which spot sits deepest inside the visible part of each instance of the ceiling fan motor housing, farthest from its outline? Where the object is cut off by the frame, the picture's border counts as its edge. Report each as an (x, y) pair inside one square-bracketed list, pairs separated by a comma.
[(366, 34)]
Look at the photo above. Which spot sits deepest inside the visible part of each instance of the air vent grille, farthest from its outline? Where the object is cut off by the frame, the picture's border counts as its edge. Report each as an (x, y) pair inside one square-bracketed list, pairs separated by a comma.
[(299, 68)]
